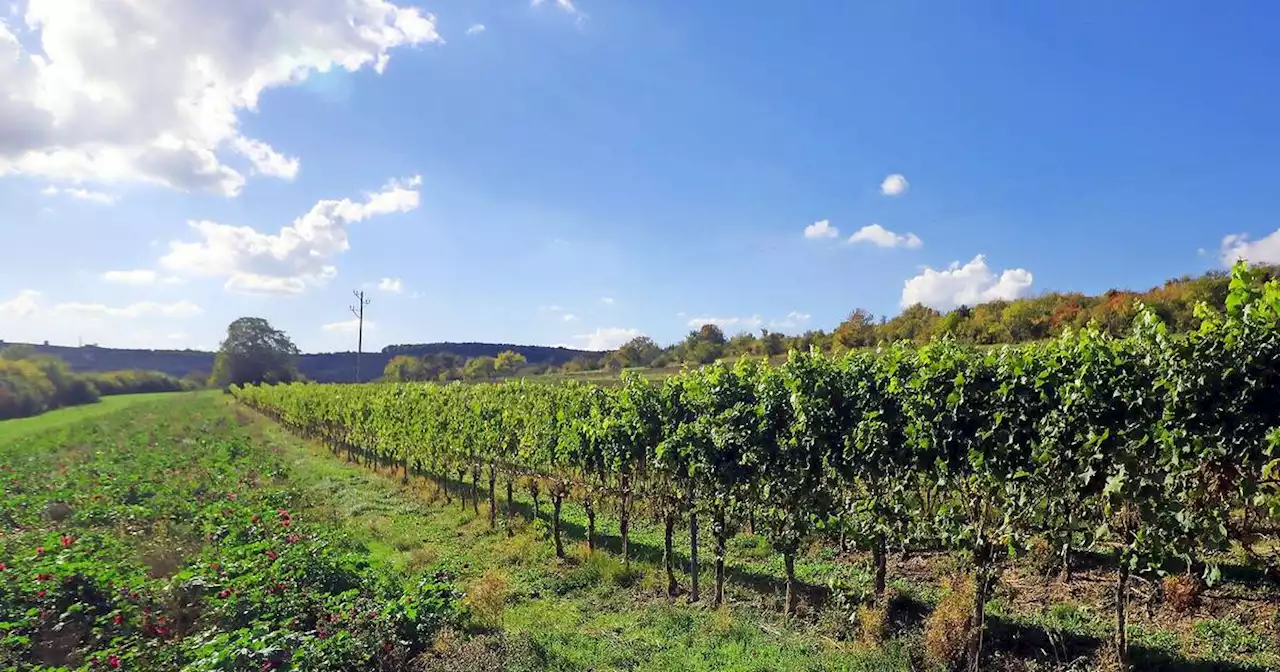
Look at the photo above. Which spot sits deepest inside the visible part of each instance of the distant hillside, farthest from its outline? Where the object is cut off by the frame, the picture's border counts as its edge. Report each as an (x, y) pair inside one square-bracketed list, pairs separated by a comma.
[(325, 367), (534, 354)]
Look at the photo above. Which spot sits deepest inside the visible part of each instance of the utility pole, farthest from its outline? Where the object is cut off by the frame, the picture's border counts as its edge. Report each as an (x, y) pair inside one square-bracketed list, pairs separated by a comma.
[(358, 311)]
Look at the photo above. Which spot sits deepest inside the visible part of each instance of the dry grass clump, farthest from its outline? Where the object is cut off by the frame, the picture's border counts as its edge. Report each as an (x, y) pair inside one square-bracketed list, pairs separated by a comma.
[(948, 629), (487, 597), (1182, 592)]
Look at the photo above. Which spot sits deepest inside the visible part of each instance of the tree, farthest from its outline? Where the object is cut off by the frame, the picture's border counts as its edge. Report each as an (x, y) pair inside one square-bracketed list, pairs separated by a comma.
[(508, 362), (479, 368), (639, 351), (404, 368), (254, 352)]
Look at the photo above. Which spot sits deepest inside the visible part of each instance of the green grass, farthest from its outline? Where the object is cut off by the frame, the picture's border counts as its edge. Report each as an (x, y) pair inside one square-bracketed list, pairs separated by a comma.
[(10, 430)]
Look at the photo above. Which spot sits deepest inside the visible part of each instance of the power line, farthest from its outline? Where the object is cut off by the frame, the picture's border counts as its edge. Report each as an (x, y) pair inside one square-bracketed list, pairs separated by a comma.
[(358, 311)]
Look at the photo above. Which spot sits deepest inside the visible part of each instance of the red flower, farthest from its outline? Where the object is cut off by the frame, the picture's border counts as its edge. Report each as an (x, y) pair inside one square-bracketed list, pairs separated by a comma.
[(113, 660), (269, 665), (215, 566), (40, 594), (67, 541), (43, 577), (224, 593), (2, 567), (254, 520), (119, 619), (272, 554), (293, 538), (40, 550)]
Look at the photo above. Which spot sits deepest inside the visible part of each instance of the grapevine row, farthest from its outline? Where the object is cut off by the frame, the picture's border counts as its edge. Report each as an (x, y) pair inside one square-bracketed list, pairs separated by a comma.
[(1147, 446)]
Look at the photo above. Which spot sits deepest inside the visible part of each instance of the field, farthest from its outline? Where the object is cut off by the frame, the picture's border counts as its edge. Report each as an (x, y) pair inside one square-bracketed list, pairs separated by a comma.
[(190, 531)]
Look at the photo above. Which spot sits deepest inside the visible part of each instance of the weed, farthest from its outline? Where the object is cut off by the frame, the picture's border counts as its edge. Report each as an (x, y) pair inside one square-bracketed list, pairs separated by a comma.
[(1182, 592), (947, 630), (487, 596)]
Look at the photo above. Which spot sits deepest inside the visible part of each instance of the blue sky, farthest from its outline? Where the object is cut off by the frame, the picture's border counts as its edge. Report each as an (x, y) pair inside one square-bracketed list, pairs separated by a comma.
[(578, 173)]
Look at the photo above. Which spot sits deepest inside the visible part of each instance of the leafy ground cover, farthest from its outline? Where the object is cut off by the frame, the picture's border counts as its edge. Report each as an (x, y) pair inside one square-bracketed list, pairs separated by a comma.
[(161, 537)]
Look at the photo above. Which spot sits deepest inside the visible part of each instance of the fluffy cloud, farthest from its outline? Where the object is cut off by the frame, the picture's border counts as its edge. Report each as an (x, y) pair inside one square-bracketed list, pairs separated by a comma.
[(475, 29), (25, 304), (570, 317), (349, 326), (750, 323), (793, 320), (140, 278), (606, 338), (109, 91), (969, 285), (1237, 246), (895, 185), (140, 309), (391, 285), (290, 261), (821, 229), (881, 237), (80, 194)]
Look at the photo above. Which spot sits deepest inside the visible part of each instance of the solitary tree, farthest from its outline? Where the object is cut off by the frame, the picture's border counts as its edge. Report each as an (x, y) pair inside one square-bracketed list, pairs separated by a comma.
[(508, 362), (254, 352)]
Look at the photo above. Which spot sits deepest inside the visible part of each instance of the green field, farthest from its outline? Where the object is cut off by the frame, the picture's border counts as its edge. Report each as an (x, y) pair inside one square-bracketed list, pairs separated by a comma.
[(10, 430), (162, 490)]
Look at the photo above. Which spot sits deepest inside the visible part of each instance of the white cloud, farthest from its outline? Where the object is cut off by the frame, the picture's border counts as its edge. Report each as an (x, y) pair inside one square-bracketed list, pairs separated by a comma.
[(551, 309), (895, 185), (290, 261), (475, 29), (881, 237), (25, 304), (565, 6), (793, 320), (606, 338), (391, 285), (749, 323), (266, 160), (969, 285), (349, 326), (1237, 246), (138, 277), (606, 300), (570, 317), (821, 229), (79, 194), (110, 91), (140, 309)]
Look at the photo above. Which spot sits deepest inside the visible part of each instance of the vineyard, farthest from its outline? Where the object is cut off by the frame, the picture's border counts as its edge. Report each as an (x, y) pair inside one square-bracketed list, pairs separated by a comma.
[(1151, 450)]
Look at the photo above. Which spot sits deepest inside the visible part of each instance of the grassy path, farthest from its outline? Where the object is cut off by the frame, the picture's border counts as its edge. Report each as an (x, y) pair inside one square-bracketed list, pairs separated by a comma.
[(584, 613)]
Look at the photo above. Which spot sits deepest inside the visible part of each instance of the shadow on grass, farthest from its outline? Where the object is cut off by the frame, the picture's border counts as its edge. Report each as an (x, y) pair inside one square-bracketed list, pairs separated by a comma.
[(1033, 642), (1005, 638)]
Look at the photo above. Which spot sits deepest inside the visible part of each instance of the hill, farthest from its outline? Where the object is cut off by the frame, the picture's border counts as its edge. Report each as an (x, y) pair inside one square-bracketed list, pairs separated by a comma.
[(325, 367)]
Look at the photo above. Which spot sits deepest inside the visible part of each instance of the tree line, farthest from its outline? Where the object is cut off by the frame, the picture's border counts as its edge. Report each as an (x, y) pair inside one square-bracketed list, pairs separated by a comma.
[(31, 384), (996, 322), (1152, 447)]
